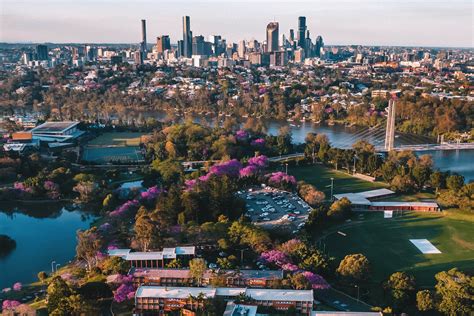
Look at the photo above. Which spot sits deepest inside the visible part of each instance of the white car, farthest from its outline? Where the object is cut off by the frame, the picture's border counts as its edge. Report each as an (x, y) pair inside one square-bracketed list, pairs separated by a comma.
[(266, 219)]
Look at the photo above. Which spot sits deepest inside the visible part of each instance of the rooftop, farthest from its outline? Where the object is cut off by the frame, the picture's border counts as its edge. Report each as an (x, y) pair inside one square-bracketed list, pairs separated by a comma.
[(257, 294), (54, 127), (280, 295), (173, 292)]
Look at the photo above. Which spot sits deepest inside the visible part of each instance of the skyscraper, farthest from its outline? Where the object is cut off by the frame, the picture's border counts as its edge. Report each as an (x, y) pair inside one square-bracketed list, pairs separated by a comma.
[(42, 52), (143, 46), (301, 31), (272, 37), (187, 37), (163, 43), (292, 35), (318, 46)]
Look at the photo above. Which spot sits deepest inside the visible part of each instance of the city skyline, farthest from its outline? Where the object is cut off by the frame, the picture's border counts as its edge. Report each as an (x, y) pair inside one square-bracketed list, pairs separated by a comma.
[(340, 22)]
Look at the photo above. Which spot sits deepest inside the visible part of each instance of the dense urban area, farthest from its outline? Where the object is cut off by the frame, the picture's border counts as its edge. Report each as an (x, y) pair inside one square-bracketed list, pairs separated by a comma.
[(196, 198)]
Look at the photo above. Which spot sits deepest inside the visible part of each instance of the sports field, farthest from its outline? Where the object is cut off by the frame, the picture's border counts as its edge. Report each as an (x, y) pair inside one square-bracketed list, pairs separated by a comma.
[(117, 139), (114, 147), (386, 243), (320, 177)]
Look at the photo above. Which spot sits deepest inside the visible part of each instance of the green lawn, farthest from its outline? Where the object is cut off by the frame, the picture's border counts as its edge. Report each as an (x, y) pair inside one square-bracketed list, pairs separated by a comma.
[(320, 176), (117, 139), (385, 242)]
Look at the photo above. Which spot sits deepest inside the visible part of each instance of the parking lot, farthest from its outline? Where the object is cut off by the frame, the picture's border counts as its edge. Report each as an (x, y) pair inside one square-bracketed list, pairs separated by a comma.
[(271, 207)]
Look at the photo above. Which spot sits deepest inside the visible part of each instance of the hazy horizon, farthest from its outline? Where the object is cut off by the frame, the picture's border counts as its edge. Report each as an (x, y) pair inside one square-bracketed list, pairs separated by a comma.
[(415, 23)]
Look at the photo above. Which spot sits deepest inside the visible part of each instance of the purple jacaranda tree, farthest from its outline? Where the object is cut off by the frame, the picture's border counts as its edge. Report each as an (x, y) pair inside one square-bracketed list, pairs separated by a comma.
[(151, 193), (317, 281), (52, 189), (276, 257), (290, 267), (260, 162), (10, 305), (281, 180), (105, 227), (259, 142), (248, 171), (17, 286), (229, 168), (241, 135), (126, 290), (124, 208)]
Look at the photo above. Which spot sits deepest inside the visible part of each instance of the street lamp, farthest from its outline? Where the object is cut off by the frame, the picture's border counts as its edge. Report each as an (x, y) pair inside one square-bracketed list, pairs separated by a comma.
[(358, 288), (52, 266), (286, 168), (57, 265), (332, 188)]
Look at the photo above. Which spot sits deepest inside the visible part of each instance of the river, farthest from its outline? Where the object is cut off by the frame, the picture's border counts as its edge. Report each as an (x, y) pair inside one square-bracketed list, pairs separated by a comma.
[(459, 161), (43, 233)]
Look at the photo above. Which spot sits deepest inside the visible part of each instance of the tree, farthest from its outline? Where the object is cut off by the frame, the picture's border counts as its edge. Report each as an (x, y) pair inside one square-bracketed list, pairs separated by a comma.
[(455, 182), (340, 209), (401, 287), (88, 245), (86, 190), (300, 282), (355, 267), (455, 290), (115, 265), (425, 301), (57, 291), (147, 232), (42, 276), (310, 194), (197, 267), (438, 180)]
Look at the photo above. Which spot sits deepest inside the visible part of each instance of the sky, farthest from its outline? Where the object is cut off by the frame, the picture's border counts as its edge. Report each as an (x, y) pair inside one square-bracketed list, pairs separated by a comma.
[(436, 23)]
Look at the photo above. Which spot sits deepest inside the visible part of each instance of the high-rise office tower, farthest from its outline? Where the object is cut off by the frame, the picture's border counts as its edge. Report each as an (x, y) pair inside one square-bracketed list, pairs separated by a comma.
[(42, 52), (143, 45), (318, 46), (292, 35), (272, 37), (301, 31), (198, 45), (187, 38), (241, 49), (163, 43)]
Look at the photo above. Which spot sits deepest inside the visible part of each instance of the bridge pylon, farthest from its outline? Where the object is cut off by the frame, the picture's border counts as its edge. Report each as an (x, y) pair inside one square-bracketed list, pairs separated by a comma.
[(390, 130)]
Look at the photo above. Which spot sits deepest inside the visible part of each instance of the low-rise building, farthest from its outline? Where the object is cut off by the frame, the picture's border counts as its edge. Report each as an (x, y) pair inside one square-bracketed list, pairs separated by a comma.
[(56, 131), (153, 259), (182, 277), (149, 299)]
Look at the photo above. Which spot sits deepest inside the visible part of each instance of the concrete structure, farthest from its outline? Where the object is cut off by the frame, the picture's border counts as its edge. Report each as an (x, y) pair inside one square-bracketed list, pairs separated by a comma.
[(157, 298), (56, 131)]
